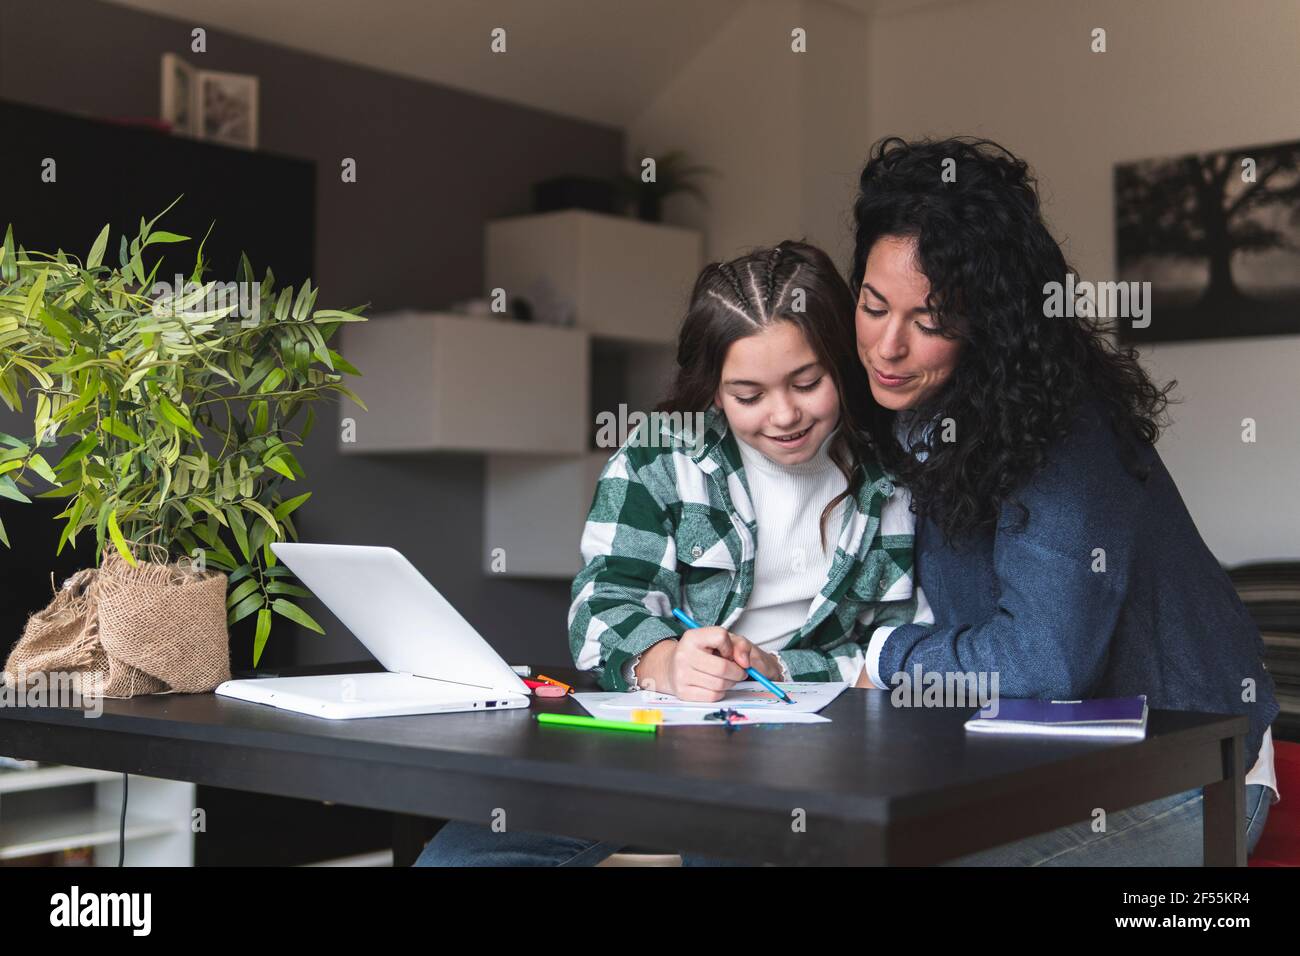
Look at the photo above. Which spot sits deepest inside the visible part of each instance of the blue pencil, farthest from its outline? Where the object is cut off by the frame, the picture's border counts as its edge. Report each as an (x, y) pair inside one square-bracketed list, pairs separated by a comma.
[(780, 694)]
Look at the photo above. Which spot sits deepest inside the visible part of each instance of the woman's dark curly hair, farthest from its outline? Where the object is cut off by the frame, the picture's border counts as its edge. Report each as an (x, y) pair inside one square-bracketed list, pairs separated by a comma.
[(1021, 376)]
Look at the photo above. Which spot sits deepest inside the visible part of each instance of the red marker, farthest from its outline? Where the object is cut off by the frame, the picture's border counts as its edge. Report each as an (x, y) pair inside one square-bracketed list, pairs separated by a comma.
[(541, 688)]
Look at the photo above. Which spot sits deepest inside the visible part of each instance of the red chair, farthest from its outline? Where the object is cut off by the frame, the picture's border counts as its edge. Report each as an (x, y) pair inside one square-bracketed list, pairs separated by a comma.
[(1280, 843)]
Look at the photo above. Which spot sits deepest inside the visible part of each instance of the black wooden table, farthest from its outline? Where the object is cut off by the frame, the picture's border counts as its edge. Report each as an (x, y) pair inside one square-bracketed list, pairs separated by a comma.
[(879, 785)]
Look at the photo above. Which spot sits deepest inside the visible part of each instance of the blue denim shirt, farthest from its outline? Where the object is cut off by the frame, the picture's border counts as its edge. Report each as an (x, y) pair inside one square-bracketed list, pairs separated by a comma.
[(1030, 602)]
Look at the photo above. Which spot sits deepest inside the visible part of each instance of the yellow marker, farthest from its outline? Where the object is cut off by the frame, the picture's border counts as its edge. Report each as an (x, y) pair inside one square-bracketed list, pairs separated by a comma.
[(647, 716)]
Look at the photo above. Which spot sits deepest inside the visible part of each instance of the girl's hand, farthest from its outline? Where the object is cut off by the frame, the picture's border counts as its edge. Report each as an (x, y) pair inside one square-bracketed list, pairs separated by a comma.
[(748, 654), (702, 665)]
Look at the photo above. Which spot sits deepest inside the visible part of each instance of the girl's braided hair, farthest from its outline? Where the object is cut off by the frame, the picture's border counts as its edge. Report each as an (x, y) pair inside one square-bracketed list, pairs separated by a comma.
[(789, 282)]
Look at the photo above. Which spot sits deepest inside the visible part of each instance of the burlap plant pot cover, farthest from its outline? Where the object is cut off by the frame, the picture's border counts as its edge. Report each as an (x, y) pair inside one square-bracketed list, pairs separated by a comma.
[(149, 629)]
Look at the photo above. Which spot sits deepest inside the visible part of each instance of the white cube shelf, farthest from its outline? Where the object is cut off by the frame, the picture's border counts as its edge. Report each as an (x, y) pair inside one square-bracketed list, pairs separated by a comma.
[(534, 512), (442, 382), (622, 278)]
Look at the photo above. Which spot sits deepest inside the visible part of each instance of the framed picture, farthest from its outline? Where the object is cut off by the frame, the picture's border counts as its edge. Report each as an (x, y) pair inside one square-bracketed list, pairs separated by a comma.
[(1218, 237), (227, 108), (178, 94)]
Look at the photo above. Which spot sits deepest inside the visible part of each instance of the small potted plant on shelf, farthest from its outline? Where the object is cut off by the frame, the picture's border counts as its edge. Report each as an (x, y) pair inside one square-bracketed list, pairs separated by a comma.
[(649, 186), (167, 420)]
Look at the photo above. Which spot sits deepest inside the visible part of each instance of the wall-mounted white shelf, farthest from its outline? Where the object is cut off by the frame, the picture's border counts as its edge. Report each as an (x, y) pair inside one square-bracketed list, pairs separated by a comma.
[(526, 394), (442, 382), (535, 506), (622, 278), (627, 283), (534, 509)]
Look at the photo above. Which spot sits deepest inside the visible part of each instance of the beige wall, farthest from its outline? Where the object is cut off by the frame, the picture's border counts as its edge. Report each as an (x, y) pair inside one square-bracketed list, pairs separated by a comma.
[(1178, 76), (777, 125), (789, 134)]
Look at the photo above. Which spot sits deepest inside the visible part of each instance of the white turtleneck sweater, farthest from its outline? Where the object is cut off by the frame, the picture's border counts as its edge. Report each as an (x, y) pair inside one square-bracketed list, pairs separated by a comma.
[(791, 566)]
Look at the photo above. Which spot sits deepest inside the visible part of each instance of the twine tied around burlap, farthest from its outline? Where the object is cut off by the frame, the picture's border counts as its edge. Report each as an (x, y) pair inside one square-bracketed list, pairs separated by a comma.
[(149, 629)]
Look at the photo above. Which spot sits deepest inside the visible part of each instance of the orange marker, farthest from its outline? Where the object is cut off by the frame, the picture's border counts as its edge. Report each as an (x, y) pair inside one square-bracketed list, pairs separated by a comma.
[(557, 683)]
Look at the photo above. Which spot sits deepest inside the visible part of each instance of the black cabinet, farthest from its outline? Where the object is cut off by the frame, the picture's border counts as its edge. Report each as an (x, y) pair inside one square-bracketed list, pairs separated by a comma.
[(255, 202)]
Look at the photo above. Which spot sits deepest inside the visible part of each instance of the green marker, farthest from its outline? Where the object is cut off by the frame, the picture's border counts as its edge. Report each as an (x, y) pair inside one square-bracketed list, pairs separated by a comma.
[(595, 723)]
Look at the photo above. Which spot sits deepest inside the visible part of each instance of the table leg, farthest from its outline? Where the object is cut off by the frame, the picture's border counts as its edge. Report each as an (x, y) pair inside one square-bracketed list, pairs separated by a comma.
[(410, 834), (1224, 809)]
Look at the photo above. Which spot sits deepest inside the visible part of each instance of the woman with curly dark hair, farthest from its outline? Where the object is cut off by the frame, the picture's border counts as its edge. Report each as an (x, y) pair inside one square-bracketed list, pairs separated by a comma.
[(1052, 544)]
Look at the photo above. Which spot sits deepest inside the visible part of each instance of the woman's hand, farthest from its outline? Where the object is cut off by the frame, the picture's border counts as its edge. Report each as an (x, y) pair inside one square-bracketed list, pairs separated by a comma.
[(697, 666)]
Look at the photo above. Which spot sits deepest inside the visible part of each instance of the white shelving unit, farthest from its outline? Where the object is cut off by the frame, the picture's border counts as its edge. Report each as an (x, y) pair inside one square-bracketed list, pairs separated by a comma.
[(623, 279), (627, 283), (534, 509), (527, 394), (53, 808), (441, 382)]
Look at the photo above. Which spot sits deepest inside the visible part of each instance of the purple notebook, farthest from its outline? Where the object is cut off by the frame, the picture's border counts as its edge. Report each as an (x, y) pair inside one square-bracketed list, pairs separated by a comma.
[(1115, 717)]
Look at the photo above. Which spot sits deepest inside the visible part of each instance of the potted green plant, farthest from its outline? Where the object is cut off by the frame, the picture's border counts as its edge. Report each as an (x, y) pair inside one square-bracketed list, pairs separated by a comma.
[(672, 174), (180, 403)]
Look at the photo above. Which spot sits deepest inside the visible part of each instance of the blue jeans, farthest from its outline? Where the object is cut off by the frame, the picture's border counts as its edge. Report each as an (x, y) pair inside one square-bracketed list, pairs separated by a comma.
[(1165, 832)]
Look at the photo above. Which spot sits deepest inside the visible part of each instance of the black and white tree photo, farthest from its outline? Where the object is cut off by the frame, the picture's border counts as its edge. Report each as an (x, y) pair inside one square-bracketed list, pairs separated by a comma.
[(1218, 236)]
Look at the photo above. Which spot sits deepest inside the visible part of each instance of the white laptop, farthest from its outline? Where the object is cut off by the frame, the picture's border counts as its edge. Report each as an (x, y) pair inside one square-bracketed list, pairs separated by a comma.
[(434, 660)]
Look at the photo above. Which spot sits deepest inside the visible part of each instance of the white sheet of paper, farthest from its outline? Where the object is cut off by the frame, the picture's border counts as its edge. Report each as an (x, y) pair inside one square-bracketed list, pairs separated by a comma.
[(610, 705), (748, 697), (809, 697)]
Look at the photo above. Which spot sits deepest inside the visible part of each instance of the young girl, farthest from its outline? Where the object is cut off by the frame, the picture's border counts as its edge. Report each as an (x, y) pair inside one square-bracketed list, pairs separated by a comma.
[(779, 531), (773, 526)]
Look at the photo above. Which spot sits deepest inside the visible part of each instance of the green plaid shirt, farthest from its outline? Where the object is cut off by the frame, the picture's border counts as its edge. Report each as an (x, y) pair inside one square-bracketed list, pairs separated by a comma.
[(674, 526)]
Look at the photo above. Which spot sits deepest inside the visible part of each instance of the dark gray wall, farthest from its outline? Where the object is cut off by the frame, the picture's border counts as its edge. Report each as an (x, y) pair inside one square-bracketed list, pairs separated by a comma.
[(433, 164)]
